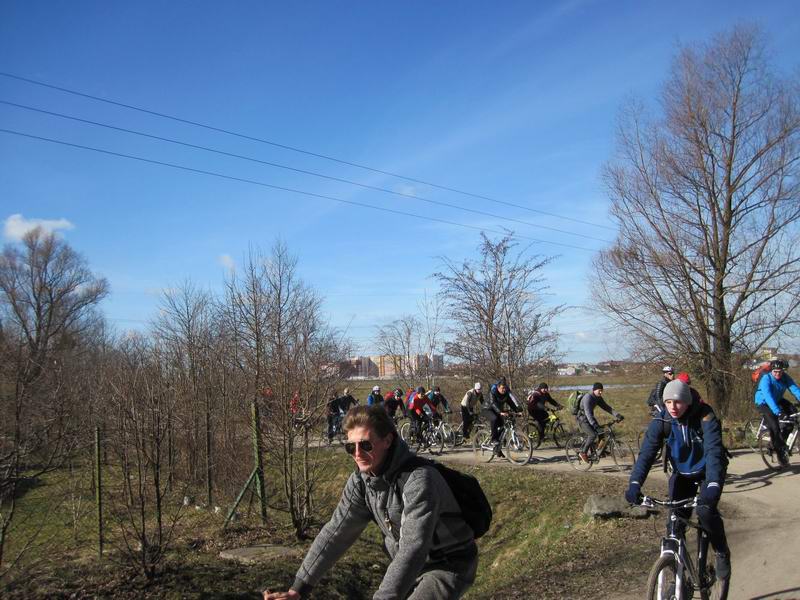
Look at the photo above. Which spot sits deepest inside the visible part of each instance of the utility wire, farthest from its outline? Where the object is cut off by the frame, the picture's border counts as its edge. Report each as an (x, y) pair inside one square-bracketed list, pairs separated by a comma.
[(285, 189), (296, 170), (295, 149)]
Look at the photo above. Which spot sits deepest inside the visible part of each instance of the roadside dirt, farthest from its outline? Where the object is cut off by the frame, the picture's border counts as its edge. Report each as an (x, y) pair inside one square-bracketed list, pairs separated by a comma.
[(760, 510)]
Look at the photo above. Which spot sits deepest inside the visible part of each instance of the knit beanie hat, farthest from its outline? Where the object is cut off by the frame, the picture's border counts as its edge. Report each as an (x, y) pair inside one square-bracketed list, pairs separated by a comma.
[(677, 390), (597, 386)]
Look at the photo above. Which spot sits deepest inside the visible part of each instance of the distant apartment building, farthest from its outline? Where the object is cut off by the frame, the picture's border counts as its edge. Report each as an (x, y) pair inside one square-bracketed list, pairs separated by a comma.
[(387, 365)]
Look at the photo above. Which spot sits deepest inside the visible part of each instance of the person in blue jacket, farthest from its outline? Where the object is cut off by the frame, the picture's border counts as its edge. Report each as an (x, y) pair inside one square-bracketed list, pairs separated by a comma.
[(773, 406), (694, 446), (375, 397)]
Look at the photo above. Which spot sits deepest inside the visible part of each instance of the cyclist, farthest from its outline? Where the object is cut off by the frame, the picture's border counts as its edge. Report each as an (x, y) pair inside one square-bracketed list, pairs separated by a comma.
[(694, 446), (416, 411), (375, 397), (335, 413), (346, 400), (537, 409), (655, 401), (773, 406), (586, 420), (437, 398), (395, 401), (470, 405), (431, 547), (494, 410)]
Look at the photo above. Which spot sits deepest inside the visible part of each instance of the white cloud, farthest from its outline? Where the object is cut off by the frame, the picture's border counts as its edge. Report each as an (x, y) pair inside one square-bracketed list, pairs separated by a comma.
[(16, 226), (226, 261)]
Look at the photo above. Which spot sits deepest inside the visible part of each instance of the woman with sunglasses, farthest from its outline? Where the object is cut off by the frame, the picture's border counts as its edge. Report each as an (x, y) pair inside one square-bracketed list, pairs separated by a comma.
[(432, 549)]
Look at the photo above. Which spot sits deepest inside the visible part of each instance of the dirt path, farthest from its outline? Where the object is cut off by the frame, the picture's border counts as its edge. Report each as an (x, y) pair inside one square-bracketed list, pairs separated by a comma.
[(760, 507)]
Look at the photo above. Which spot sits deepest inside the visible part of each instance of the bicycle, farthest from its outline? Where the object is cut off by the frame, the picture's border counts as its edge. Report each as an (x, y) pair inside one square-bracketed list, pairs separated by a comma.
[(430, 437), (515, 444), (768, 454), (338, 431), (606, 443), (674, 575), (553, 426)]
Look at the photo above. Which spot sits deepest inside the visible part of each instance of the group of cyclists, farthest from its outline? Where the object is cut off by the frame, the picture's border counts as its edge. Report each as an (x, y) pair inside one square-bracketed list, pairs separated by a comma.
[(683, 425)]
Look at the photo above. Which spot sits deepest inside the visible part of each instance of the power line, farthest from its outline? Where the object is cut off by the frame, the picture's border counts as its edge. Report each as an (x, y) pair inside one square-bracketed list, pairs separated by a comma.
[(296, 170), (285, 189), (295, 149)]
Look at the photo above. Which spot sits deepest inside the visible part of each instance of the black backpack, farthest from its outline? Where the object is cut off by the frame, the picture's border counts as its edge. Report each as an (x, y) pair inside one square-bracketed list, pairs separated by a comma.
[(475, 507)]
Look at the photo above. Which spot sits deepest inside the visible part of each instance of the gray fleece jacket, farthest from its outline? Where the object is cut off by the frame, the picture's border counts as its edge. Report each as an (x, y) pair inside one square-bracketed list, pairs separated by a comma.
[(425, 536)]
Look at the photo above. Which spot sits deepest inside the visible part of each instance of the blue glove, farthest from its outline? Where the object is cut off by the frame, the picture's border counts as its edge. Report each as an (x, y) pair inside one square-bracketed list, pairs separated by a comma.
[(710, 493), (634, 493)]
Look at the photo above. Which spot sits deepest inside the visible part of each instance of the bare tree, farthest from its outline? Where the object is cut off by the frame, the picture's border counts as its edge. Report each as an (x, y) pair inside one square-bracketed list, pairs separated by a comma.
[(290, 356), (705, 264), (48, 297), (500, 324), (141, 396)]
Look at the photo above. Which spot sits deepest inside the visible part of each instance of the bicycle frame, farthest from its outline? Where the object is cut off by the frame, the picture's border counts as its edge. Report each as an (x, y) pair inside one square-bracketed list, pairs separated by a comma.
[(688, 576)]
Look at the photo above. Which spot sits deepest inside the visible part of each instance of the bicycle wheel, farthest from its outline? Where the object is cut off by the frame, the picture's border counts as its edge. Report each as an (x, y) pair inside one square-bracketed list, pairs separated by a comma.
[(768, 455), (663, 579), (750, 433), (482, 444), (449, 435), (436, 441), (623, 455), (573, 448), (517, 447), (405, 431), (533, 435), (559, 435)]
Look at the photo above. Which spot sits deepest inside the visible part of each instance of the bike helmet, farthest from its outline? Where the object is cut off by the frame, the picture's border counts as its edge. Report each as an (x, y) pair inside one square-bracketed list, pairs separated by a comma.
[(684, 377), (777, 364), (398, 393), (667, 369), (420, 390), (477, 386), (376, 388), (543, 386)]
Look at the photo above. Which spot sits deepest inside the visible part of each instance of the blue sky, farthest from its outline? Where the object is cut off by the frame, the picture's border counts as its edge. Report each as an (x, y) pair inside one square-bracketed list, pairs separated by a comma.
[(515, 101)]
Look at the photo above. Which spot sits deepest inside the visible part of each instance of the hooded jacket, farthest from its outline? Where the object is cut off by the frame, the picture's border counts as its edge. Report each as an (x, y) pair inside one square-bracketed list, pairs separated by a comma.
[(694, 443), (425, 536)]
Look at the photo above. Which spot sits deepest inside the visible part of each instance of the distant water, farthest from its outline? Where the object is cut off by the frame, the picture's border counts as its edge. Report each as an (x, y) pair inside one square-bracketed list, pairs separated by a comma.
[(607, 386)]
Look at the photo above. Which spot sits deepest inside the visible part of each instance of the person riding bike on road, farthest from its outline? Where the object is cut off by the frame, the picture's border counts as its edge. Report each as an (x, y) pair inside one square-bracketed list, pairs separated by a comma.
[(694, 447), (537, 406), (773, 406), (437, 398), (346, 400), (335, 414), (494, 410), (393, 402), (470, 405), (375, 397), (655, 401), (586, 420), (416, 410)]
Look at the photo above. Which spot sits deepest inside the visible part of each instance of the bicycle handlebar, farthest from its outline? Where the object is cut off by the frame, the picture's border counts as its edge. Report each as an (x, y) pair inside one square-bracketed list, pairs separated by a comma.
[(650, 502)]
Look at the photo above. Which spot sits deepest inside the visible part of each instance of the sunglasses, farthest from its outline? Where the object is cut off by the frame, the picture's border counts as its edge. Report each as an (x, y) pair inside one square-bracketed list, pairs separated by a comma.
[(350, 447)]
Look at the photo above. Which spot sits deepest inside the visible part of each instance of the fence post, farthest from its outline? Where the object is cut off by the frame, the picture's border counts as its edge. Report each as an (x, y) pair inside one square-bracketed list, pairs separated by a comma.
[(98, 490), (259, 464)]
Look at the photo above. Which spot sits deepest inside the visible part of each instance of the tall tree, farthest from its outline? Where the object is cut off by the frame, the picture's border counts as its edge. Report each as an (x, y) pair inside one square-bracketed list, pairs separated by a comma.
[(48, 297), (499, 322), (705, 264)]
